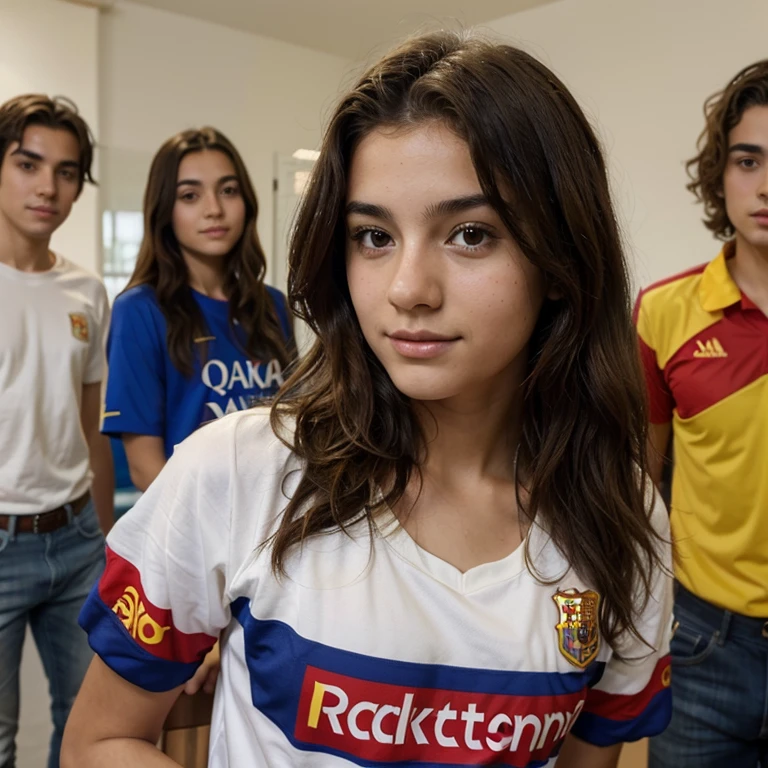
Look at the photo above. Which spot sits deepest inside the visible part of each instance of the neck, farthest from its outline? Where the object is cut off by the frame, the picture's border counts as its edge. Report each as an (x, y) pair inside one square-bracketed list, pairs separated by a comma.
[(749, 269), (206, 274), (21, 252), (476, 438)]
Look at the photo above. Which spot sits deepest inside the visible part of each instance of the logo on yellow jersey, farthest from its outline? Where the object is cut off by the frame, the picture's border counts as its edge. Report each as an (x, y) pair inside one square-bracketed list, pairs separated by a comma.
[(131, 611), (709, 348)]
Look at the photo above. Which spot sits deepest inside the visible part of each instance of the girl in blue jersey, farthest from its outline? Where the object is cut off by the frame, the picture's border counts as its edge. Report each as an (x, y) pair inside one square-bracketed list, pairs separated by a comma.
[(197, 333), (438, 547)]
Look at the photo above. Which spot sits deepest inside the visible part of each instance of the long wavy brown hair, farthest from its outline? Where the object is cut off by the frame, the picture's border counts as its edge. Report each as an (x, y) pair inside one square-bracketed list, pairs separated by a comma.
[(582, 452), (723, 111), (161, 264)]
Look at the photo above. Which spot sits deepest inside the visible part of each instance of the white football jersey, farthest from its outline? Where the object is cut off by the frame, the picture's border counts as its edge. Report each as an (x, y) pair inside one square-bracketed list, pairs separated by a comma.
[(371, 651)]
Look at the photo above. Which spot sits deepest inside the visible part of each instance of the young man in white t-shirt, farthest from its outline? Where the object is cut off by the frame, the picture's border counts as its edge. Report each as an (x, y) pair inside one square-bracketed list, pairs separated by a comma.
[(56, 478)]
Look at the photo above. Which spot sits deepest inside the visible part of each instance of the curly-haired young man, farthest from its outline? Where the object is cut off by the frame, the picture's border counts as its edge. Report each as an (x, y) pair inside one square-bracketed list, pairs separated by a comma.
[(704, 344)]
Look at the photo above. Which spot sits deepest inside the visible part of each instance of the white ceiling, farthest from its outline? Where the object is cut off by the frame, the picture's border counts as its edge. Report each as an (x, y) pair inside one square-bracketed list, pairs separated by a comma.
[(352, 29)]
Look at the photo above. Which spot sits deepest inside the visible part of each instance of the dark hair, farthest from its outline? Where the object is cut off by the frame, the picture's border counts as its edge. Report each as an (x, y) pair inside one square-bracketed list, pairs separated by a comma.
[(723, 111), (584, 419), (161, 264), (59, 113)]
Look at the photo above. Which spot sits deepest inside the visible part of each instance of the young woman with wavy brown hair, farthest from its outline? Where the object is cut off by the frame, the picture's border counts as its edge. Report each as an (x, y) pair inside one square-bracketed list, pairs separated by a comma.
[(438, 547), (196, 333)]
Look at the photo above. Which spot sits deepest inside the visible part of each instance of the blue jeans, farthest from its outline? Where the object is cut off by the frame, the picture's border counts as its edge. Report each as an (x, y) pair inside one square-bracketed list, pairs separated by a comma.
[(44, 580), (719, 690)]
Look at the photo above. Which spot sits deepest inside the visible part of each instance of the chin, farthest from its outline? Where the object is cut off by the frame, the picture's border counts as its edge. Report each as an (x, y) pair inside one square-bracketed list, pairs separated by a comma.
[(219, 252), (40, 233), (425, 388)]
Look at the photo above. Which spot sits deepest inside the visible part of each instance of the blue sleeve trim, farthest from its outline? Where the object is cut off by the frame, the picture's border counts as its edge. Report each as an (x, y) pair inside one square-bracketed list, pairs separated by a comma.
[(603, 732), (109, 640)]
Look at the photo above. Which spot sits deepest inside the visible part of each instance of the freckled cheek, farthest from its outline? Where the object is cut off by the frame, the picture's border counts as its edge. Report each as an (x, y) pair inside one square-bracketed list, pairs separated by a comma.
[(502, 304), (368, 296)]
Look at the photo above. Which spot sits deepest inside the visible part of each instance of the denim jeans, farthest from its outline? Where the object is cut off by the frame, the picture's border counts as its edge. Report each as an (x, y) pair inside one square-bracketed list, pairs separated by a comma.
[(719, 690), (44, 580)]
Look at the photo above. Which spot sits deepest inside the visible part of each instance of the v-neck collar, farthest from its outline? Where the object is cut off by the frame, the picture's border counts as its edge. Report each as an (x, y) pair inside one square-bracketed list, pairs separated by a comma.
[(466, 582)]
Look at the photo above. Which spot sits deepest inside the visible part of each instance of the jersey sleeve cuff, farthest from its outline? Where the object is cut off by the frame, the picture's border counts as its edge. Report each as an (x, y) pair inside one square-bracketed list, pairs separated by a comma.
[(609, 719), (115, 424), (110, 641)]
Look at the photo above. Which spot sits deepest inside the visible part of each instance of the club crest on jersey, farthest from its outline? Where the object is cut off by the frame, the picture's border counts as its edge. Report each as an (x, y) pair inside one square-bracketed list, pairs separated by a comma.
[(578, 634), (79, 324)]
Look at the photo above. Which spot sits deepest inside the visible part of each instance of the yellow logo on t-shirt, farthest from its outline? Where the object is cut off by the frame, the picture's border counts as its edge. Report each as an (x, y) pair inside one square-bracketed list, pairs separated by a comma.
[(131, 611), (710, 348), (79, 323)]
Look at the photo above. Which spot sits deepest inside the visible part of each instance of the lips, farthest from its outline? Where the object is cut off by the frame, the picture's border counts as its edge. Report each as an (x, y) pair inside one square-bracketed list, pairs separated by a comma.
[(421, 345), (420, 336), (215, 231), (44, 209)]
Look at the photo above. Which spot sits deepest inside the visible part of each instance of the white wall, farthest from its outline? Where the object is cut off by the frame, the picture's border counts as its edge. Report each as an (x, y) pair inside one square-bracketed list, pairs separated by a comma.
[(643, 70), (47, 46), (162, 73)]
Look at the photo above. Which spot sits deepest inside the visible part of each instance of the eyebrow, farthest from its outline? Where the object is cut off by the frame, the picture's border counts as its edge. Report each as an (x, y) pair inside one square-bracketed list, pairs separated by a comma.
[(443, 208), (753, 149), (39, 158), (198, 183)]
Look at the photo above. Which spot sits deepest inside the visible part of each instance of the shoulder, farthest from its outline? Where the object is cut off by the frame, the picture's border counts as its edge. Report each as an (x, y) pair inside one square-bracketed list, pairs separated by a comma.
[(136, 302), (239, 450), (684, 285), (276, 295), (87, 282), (670, 311), (138, 298)]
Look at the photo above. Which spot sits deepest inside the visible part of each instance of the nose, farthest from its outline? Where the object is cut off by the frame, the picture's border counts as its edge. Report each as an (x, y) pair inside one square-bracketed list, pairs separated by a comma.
[(213, 209), (763, 188), (416, 280), (46, 184)]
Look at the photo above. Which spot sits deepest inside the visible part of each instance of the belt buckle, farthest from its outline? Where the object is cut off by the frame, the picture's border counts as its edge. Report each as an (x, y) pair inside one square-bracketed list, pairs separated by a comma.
[(35, 521)]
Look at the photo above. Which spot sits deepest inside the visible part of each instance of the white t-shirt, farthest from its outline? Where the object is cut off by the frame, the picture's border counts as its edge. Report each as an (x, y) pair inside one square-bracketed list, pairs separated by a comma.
[(51, 343), (371, 650)]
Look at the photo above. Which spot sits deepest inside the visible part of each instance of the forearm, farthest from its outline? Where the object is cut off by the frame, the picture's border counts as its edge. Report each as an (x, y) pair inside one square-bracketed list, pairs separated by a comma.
[(143, 475), (103, 483), (116, 753), (146, 458), (576, 753)]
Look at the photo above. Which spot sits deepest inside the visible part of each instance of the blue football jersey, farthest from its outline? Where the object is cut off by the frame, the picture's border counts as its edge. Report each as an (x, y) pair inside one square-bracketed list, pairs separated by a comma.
[(147, 395)]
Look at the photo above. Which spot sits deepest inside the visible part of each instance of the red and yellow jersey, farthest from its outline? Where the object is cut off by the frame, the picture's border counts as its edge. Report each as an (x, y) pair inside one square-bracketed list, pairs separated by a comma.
[(704, 347)]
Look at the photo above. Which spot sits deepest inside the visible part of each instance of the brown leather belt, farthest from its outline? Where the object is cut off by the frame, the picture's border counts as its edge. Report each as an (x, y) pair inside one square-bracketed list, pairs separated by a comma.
[(45, 522)]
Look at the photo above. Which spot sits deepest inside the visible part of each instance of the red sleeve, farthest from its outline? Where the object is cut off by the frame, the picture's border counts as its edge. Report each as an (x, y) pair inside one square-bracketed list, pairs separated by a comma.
[(660, 399)]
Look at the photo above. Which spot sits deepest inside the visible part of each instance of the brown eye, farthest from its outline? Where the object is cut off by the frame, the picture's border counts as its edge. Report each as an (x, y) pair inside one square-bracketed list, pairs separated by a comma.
[(379, 239), (373, 239), (473, 236)]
